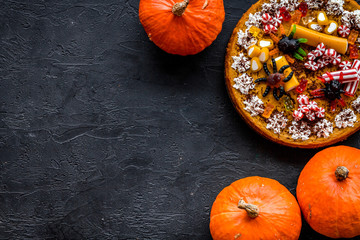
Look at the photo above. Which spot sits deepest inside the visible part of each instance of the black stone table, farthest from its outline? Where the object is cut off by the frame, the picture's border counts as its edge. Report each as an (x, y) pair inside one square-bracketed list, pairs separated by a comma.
[(105, 136)]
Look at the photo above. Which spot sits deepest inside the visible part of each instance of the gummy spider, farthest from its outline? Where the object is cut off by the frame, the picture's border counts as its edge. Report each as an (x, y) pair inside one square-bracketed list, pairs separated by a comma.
[(275, 80), (289, 45), (332, 91)]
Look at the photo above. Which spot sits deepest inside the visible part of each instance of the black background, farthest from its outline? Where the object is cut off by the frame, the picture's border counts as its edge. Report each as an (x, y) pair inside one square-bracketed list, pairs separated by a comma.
[(105, 136)]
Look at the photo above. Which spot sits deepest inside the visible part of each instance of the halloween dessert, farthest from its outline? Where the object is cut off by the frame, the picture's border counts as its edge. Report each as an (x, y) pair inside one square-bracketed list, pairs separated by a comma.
[(292, 70)]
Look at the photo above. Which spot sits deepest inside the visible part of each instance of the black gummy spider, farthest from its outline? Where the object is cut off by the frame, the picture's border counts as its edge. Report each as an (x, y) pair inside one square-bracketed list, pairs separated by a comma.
[(275, 80)]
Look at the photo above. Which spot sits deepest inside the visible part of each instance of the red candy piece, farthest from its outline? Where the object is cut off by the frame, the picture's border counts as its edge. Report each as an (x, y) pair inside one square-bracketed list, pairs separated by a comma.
[(285, 14), (311, 65), (343, 31), (269, 28), (320, 50), (320, 113), (345, 65), (310, 116), (336, 60), (302, 86), (297, 115), (311, 55), (354, 53), (303, 99), (303, 7), (330, 53), (304, 108), (266, 18), (277, 20), (313, 106)]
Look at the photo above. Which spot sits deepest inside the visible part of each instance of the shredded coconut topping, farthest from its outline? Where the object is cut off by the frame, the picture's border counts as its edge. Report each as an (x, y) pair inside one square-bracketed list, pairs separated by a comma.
[(241, 63), (351, 19), (314, 4), (245, 39), (334, 7), (254, 105), (300, 130), (346, 118), (244, 83), (323, 128), (270, 7), (356, 104), (290, 5), (254, 20), (277, 122)]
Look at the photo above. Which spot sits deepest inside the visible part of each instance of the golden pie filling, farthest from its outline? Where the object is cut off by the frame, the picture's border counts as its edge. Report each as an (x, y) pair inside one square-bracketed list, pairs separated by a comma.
[(292, 70)]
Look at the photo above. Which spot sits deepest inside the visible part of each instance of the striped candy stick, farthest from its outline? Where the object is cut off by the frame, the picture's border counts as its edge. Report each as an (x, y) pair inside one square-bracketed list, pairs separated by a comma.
[(350, 88), (349, 75)]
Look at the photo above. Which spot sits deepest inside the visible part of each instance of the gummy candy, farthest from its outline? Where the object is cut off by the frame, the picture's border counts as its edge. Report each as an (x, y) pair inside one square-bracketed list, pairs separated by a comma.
[(285, 14), (302, 86), (268, 110), (354, 53), (353, 37), (303, 7), (296, 17), (288, 103), (256, 32)]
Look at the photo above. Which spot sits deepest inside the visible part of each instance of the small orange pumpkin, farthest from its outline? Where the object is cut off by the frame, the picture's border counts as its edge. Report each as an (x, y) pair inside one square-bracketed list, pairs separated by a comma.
[(182, 28), (255, 208), (328, 192)]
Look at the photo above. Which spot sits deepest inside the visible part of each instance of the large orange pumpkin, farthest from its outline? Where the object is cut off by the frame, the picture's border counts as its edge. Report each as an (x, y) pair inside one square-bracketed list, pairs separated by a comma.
[(255, 208), (182, 28), (328, 192)]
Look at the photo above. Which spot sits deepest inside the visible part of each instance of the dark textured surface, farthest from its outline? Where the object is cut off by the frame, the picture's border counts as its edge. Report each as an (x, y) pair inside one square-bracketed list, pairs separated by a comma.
[(104, 136)]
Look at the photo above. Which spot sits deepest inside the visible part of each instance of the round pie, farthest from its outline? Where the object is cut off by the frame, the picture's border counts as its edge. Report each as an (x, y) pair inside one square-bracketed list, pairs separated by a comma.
[(292, 70)]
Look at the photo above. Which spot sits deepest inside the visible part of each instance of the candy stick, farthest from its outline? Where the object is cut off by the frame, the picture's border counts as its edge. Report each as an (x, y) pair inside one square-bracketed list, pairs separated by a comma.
[(351, 88), (293, 83), (314, 38), (350, 75)]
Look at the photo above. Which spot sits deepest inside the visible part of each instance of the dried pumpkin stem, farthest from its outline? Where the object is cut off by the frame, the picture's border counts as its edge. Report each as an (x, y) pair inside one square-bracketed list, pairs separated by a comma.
[(251, 209), (180, 7), (341, 173)]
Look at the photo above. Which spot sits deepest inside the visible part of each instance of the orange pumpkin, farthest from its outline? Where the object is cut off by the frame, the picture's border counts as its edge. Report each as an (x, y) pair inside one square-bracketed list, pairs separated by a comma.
[(182, 28), (255, 208), (328, 192)]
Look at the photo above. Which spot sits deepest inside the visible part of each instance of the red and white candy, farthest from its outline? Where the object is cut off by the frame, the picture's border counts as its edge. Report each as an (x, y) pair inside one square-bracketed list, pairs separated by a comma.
[(343, 31), (304, 108), (345, 65), (320, 113), (351, 87), (311, 65), (311, 55), (269, 28), (320, 50), (310, 116), (336, 60), (303, 99), (330, 53), (266, 18), (277, 20), (313, 106), (297, 115), (349, 75), (323, 62)]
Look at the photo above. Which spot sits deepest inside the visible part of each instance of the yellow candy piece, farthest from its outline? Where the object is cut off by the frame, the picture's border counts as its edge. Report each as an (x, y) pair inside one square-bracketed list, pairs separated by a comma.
[(266, 43), (255, 64), (315, 26), (255, 31), (322, 18), (293, 83), (331, 28), (253, 51), (268, 110), (264, 55), (353, 37), (296, 17)]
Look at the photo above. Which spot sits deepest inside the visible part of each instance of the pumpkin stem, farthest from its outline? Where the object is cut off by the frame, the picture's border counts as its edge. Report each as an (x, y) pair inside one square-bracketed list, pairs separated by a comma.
[(341, 173), (251, 209), (179, 8)]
